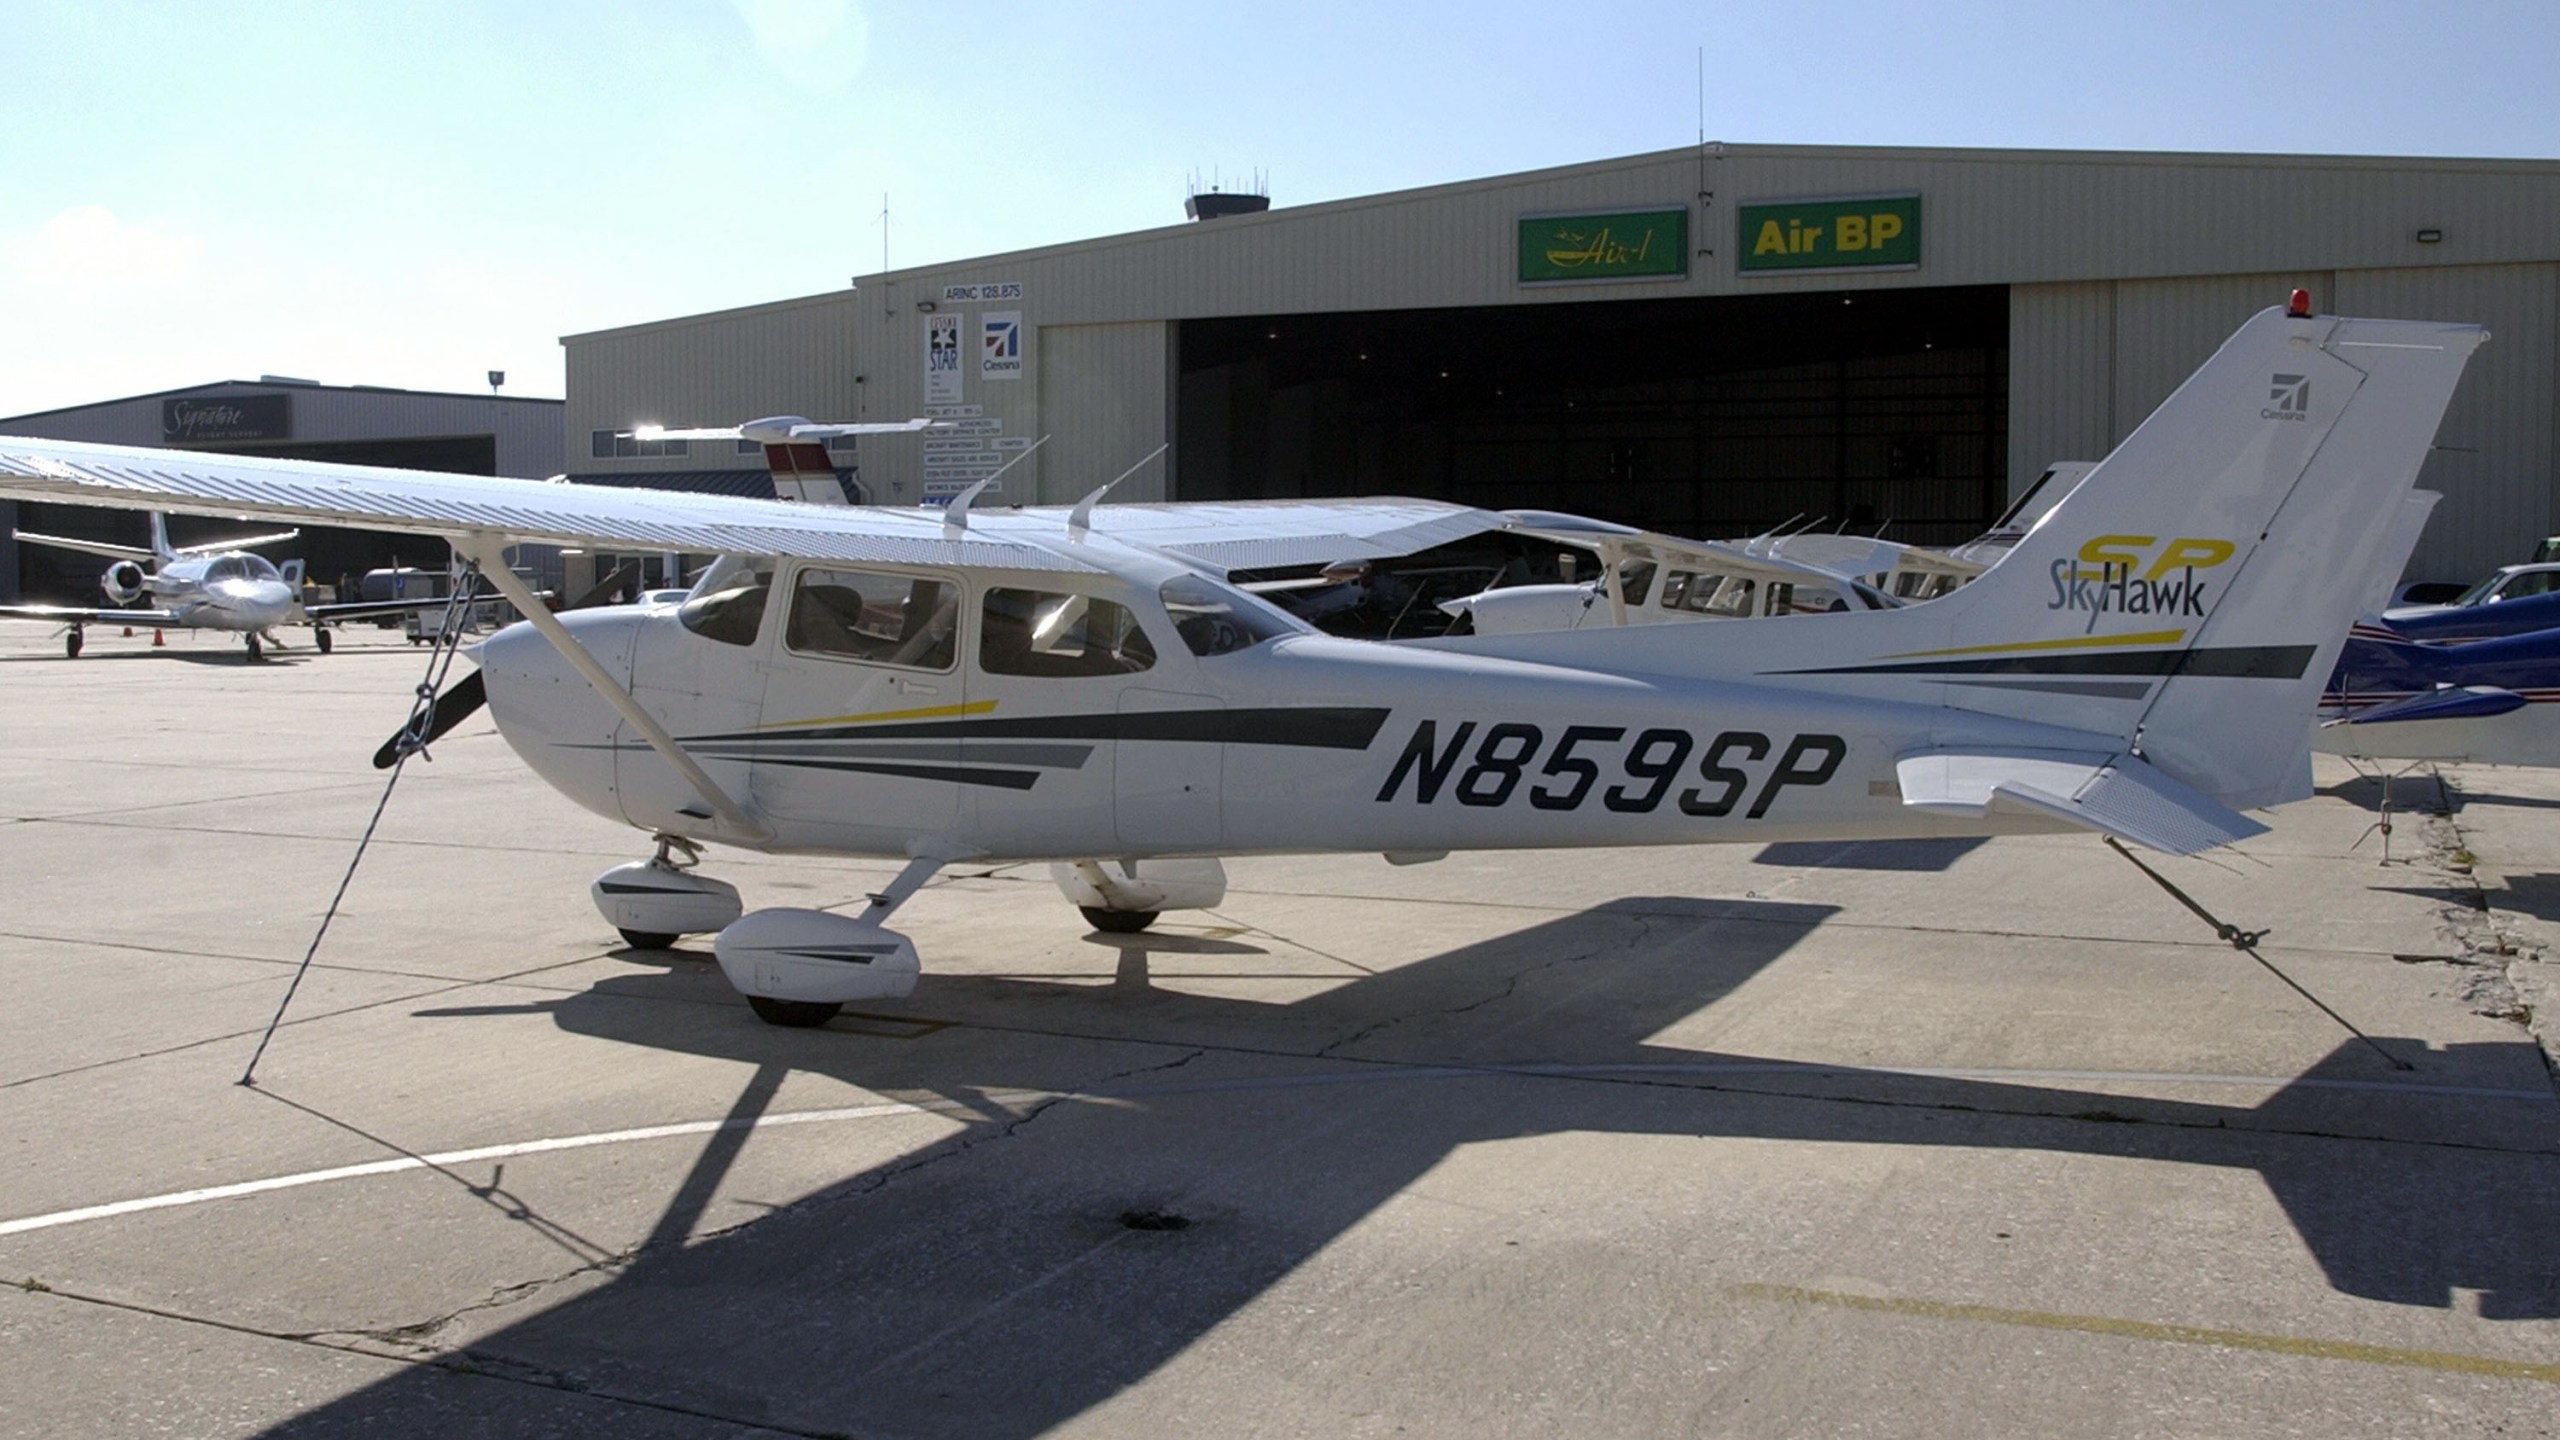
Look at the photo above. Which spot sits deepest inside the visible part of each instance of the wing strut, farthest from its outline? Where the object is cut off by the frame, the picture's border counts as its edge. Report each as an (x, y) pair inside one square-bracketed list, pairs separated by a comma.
[(489, 553)]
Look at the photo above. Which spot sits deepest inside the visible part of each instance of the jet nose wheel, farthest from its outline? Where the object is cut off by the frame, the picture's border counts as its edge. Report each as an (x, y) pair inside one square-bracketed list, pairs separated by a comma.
[(255, 653)]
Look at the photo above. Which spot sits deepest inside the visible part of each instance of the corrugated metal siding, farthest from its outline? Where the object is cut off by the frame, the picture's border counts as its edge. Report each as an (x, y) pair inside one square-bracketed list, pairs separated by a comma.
[(795, 359), (2062, 345), (2495, 452), (1102, 391), (2165, 329), (527, 431), (2126, 270)]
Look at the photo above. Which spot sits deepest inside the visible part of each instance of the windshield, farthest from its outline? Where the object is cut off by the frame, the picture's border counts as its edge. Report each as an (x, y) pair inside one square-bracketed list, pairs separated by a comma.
[(1214, 620), (2479, 593), (727, 603), (258, 569)]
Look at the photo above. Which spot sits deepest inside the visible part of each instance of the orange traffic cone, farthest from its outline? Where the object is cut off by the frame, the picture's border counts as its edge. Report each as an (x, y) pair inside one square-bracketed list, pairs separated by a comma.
[(158, 640), (128, 632)]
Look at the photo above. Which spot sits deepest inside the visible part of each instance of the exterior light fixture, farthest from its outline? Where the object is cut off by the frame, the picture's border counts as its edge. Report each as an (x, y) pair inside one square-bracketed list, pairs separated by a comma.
[(2430, 236)]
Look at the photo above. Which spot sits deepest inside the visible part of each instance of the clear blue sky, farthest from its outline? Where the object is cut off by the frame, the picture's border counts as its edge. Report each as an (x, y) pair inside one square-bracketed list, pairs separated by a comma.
[(414, 193)]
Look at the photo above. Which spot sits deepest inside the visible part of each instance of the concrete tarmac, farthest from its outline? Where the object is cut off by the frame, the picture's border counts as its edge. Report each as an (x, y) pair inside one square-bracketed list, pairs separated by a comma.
[(1862, 1139)]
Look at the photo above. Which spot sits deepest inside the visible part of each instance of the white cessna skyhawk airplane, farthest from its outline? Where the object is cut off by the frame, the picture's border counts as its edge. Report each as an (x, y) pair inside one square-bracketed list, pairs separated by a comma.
[(1084, 686)]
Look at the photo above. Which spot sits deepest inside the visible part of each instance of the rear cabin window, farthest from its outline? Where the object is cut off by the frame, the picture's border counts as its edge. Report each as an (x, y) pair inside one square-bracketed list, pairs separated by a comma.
[(875, 616), (1048, 633), (1705, 594)]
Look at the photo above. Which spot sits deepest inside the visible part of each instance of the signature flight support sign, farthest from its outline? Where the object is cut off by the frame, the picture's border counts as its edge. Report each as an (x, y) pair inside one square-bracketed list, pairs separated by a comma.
[(1630, 245), (1869, 232)]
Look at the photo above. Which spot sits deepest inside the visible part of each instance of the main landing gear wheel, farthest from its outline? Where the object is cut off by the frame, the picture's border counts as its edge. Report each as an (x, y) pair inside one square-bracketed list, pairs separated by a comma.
[(320, 637), (647, 939), (793, 1014), (71, 643), (1118, 922)]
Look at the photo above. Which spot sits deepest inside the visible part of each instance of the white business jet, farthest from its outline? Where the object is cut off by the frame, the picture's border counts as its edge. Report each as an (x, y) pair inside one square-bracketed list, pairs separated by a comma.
[(218, 586), (1084, 686)]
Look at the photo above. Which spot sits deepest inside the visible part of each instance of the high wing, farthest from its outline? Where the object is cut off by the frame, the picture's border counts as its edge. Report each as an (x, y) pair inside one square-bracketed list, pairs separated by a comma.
[(222, 547), (362, 609), (785, 429), (2447, 702), (69, 614), (1247, 534), (1748, 559)]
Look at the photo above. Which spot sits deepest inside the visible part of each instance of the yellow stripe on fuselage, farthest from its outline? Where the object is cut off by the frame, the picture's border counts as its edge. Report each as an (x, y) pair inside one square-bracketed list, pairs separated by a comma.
[(2073, 642), (929, 712)]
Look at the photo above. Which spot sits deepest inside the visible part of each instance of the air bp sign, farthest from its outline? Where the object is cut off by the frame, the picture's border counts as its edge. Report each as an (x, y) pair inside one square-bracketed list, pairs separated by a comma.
[(1871, 232)]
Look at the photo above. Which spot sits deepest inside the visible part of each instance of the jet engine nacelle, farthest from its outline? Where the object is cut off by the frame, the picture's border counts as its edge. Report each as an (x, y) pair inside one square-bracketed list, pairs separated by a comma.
[(815, 957), (124, 582)]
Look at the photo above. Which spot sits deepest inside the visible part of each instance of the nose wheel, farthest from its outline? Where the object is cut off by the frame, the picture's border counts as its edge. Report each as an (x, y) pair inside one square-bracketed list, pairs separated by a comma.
[(255, 653)]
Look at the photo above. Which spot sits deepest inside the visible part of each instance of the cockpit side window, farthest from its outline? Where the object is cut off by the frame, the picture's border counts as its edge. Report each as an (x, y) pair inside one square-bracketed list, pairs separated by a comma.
[(727, 603), (1213, 620), (1059, 634), (875, 616)]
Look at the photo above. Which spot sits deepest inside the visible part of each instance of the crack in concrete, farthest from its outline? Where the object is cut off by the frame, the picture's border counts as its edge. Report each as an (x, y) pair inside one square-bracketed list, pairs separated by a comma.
[(456, 1362), (1510, 988), (416, 1341), (2514, 973)]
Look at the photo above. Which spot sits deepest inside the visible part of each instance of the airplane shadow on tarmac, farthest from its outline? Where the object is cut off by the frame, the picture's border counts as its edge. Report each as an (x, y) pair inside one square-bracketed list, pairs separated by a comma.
[(1013, 1275)]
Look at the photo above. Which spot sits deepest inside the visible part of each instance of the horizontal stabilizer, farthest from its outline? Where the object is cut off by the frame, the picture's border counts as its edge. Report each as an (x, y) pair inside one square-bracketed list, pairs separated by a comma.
[(2449, 702), (85, 547), (2112, 794)]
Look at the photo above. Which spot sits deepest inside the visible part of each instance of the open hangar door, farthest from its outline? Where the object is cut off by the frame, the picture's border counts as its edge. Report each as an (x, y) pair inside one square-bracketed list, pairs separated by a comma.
[(1710, 418)]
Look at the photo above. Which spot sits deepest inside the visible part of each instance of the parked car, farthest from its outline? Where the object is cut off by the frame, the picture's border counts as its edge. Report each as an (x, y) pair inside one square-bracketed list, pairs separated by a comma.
[(2508, 582)]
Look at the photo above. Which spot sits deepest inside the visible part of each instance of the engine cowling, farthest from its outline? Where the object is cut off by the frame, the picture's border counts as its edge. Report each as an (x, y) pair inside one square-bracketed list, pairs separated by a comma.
[(813, 956), (124, 582)]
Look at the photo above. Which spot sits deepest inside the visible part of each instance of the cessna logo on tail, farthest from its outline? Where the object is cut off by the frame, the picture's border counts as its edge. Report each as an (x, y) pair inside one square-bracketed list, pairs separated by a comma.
[(2289, 398), (2115, 587)]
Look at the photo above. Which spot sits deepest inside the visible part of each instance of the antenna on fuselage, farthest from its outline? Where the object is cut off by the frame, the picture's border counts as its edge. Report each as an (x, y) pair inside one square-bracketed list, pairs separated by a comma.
[(1080, 519), (955, 518)]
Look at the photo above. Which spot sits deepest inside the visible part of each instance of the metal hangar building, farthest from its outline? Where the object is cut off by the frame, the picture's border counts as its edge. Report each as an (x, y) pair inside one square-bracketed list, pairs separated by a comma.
[(286, 418), (1709, 341)]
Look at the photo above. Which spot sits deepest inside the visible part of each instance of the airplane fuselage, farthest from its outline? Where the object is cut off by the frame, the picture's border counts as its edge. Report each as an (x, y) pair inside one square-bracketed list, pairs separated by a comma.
[(1298, 742), (237, 592)]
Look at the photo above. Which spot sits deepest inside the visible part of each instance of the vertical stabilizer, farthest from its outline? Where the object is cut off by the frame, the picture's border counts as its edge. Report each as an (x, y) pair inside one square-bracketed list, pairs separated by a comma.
[(804, 471), (160, 550), (2198, 584)]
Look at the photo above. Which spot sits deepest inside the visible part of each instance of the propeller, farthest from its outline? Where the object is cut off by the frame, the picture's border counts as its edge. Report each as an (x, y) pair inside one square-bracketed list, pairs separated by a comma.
[(464, 697)]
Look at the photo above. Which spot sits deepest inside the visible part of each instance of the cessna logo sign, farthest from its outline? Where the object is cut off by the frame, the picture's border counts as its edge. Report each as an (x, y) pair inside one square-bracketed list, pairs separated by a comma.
[(2288, 397), (1000, 345), (2137, 575)]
